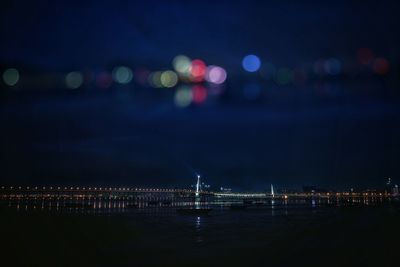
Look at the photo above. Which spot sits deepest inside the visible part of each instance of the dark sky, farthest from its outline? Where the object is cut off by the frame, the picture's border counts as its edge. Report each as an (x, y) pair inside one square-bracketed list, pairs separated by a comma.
[(94, 33), (347, 136)]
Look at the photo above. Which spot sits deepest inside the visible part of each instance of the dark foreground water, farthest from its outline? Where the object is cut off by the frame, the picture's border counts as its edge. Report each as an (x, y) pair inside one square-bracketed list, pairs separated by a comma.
[(302, 235)]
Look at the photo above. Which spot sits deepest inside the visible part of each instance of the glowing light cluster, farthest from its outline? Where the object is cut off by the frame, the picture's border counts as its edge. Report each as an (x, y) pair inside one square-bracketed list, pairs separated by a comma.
[(381, 66), (199, 94), (122, 75), (182, 64), (333, 66), (183, 96), (154, 79), (74, 80), (251, 63), (11, 76), (168, 78), (198, 70), (215, 74)]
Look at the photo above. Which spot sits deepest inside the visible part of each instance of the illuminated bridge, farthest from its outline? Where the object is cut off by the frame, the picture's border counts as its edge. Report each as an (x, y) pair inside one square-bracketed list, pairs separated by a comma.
[(159, 193)]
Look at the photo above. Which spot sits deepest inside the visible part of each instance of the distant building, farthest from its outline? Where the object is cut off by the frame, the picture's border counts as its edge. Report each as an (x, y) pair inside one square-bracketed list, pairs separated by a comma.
[(205, 186), (313, 189), (225, 190), (388, 186), (395, 190)]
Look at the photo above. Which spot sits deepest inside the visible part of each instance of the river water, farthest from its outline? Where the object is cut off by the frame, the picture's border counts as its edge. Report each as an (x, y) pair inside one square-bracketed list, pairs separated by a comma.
[(302, 234)]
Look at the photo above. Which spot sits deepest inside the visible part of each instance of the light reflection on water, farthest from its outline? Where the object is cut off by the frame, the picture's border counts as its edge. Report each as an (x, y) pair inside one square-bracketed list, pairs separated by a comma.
[(100, 206), (199, 237), (266, 221)]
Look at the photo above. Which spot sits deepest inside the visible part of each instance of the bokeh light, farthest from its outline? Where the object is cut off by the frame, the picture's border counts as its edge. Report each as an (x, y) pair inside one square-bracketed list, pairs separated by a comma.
[(251, 63), (168, 78), (216, 75), (181, 64), (333, 66), (216, 89), (183, 96), (198, 70), (122, 74), (381, 66), (74, 80), (199, 94), (11, 76), (154, 79), (283, 76)]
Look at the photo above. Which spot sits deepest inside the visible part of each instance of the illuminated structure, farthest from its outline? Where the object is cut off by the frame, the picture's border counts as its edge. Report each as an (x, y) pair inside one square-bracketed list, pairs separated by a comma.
[(198, 186), (272, 191)]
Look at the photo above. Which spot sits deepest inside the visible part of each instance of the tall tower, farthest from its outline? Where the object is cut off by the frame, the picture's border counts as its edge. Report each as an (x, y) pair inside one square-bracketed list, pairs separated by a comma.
[(198, 186), (272, 191)]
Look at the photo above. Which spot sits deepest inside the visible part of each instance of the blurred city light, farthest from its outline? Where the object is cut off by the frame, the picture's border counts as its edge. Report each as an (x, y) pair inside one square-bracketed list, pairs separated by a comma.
[(122, 75), (181, 64), (381, 66), (183, 96), (215, 89), (199, 94), (168, 78), (198, 70), (74, 80), (251, 63), (154, 79), (333, 66), (11, 76), (216, 74)]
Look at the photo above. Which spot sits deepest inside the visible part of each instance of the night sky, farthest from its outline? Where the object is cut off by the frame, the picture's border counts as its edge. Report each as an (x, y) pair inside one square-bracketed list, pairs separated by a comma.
[(336, 133)]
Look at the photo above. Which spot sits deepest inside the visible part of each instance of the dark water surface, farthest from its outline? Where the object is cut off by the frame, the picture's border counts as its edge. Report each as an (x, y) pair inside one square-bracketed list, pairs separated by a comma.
[(262, 236)]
